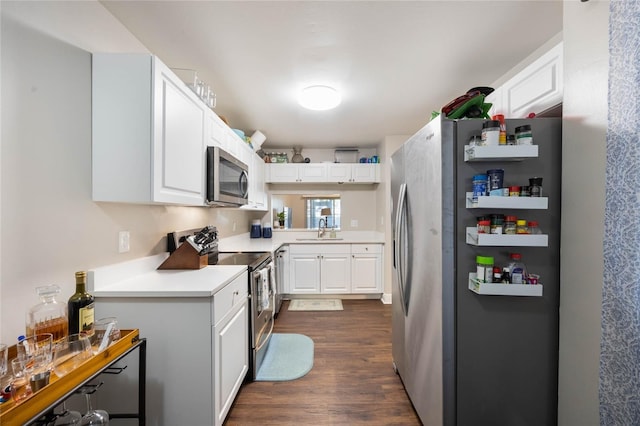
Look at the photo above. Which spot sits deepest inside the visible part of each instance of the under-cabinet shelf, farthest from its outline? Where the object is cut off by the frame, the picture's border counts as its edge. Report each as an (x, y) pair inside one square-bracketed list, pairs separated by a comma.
[(497, 202), (513, 240), (490, 289), (500, 152)]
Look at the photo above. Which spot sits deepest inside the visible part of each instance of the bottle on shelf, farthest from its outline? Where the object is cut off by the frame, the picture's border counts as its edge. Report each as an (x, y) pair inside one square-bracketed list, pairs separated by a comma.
[(517, 270), (506, 277), (497, 275), (81, 307), (48, 316)]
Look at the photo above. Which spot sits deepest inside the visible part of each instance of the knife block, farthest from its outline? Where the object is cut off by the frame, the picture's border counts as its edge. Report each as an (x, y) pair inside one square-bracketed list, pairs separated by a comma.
[(185, 257)]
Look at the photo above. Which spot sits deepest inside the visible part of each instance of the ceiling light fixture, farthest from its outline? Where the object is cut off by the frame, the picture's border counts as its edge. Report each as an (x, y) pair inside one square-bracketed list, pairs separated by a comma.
[(319, 98)]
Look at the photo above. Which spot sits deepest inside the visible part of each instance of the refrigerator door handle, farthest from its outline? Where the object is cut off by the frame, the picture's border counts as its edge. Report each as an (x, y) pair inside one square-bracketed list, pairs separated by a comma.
[(399, 243)]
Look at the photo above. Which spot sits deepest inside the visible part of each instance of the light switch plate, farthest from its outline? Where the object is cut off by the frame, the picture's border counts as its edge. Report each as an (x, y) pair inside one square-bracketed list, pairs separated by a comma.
[(354, 223)]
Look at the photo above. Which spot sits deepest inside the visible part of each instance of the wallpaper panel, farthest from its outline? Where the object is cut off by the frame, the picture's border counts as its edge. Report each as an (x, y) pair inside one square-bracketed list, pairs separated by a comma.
[(620, 347)]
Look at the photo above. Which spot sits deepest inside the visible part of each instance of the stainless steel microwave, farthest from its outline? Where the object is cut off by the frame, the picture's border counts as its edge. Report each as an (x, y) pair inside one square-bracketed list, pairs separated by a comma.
[(227, 179)]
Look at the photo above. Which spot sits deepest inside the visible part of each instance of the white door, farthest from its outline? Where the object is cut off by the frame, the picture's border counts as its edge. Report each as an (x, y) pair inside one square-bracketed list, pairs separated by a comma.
[(178, 149), (335, 273), (305, 273), (365, 273), (231, 348), (339, 173), (282, 173)]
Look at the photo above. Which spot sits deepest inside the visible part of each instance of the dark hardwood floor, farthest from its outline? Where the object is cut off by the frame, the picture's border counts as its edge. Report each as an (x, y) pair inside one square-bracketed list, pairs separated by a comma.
[(352, 381)]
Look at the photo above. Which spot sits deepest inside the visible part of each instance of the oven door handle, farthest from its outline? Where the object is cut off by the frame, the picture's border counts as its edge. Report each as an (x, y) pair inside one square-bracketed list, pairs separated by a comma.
[(268, 334)]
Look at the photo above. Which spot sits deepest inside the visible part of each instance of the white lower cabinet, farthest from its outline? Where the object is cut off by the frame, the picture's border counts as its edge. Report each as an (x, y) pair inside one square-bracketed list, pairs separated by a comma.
[(231, 355), (335, 268), (305, 272), (366, 268), (197, 354), (335, 272)]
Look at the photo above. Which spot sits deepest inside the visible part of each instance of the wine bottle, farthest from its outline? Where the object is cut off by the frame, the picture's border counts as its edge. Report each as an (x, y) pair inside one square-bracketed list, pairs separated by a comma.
[(81, 307)]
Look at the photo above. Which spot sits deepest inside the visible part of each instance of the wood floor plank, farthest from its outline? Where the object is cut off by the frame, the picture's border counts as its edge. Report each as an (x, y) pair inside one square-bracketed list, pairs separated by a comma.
[(352, 381)]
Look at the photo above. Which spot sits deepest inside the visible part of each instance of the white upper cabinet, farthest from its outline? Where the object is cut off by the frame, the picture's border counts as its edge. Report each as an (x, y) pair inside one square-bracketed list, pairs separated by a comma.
[(323, 173), (353, 173), (535, 89), (297, 173), (148, 138)]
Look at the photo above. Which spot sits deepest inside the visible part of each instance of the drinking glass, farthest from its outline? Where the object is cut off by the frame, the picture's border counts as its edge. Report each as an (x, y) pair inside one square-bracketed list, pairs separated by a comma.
[(5, 387), (20, 388), (106, 332), (38, 345), (70, 352), (4, 353), (94, 417)]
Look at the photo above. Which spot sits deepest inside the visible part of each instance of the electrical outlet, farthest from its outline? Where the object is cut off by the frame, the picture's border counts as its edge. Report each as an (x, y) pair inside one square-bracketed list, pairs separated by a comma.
[(354, 223), (123, 241), (382, 220), (234, 227)]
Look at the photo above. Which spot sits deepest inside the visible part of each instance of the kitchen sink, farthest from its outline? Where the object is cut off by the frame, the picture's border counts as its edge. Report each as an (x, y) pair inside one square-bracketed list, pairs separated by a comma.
[(319, 239)]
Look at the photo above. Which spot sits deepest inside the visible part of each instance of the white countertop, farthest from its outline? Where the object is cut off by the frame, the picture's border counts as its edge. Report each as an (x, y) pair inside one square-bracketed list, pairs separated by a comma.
[(243, 242), (141, 278)]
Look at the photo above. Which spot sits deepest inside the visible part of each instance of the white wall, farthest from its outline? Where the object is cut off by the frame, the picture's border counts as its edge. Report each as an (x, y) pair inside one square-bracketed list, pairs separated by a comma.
[(586, 58), (50, 227)]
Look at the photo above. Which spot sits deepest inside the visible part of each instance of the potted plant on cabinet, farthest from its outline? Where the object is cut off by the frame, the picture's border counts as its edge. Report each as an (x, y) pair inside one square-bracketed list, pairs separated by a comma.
[(281, 219)]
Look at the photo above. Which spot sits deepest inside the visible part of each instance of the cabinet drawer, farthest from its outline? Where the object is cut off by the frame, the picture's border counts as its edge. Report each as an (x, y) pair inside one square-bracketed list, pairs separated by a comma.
[(226, 298), (319, 248), (366, 248)]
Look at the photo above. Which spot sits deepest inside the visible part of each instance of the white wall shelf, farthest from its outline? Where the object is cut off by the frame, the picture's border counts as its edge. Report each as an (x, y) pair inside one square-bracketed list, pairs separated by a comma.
[(514, 240), (500, 152), (497, 202), (488, 289)]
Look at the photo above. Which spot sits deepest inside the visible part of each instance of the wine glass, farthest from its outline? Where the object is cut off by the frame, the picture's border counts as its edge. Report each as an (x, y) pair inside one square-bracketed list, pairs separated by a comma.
[(67, 417), (70, 352), (94, 417)]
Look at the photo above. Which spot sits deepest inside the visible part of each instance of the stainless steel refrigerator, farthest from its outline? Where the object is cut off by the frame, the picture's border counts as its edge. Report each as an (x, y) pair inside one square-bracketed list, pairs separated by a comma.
[(466, 358)]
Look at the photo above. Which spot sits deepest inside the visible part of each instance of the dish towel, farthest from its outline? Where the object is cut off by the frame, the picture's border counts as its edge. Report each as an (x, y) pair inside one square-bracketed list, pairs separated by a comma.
[(274, 289), (264, 277)]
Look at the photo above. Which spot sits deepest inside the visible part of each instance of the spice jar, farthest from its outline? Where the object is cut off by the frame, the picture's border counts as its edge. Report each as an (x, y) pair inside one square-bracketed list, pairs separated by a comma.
[(480, 183), (533, 227), (521, 227), (497, 274), (524, 191), (497, 223), (524, 135), (511, 140), (484, 226), (484, 268), (502, 139), (491, 133), (510, 225), (514, 191)]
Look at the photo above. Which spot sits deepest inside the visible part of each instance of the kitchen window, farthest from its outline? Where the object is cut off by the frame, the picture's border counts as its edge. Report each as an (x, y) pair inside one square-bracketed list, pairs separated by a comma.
[(315, 205)]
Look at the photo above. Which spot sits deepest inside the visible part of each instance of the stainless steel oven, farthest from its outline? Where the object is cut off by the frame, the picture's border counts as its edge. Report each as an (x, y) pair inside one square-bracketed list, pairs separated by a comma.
[(227, 179), (262, 293)]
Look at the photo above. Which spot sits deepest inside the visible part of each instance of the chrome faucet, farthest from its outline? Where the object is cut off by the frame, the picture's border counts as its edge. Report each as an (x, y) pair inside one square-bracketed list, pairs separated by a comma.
[(322, 227)]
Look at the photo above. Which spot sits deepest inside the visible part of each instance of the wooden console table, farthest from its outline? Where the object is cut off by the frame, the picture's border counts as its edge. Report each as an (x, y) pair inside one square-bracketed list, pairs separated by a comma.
[(42, 402)]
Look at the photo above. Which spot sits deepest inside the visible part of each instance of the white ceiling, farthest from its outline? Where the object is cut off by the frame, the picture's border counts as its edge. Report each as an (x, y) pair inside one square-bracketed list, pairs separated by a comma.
[(393, 61)]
